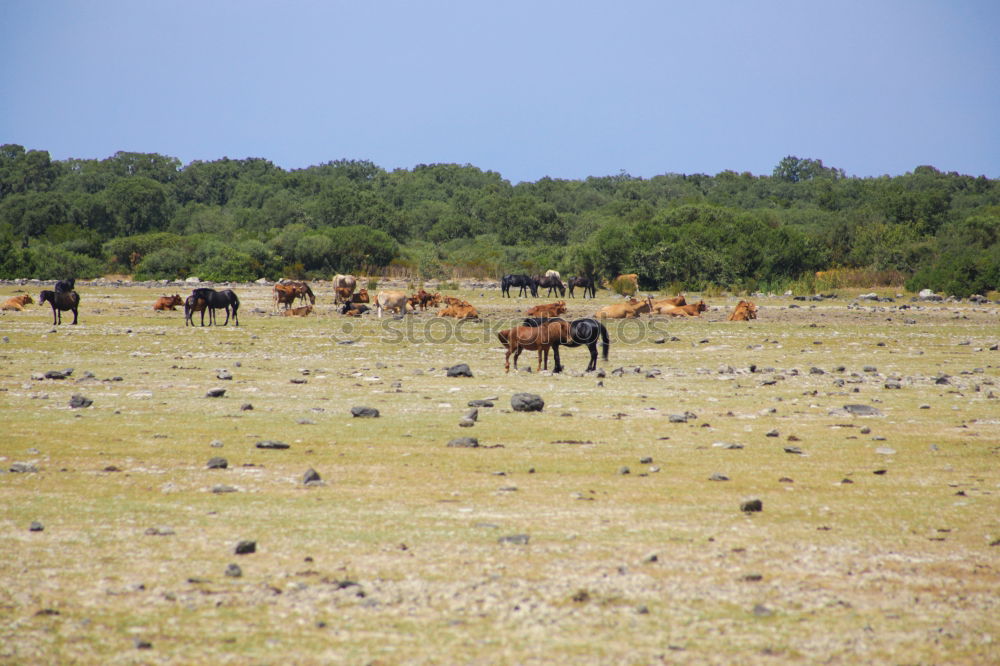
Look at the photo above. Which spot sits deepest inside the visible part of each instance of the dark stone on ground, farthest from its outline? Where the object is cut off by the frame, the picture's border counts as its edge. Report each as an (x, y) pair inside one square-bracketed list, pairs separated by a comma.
[(718, 477), (464, 443), (23, 468), (517, 539), (234, 571), (862, 410), (246, 407), (459, 370), (364, 412), (217, 463), (751, 506), (272, 444), (215, 393), (36, 526), (480, 403), (526, 402), (311, 477), (246, 547), (78, 402)]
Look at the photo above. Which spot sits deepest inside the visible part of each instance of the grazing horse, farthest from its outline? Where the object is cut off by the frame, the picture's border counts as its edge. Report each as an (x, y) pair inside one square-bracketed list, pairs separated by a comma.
[(194, 304), (549, 334), (551, 282), (217, 300), (65, 286), (583, 332), (586, 283), (525, 282), (60, 302)]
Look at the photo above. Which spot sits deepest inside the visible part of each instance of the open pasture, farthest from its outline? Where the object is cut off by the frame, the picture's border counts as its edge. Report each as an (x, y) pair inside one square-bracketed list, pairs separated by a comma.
[(605, 529)]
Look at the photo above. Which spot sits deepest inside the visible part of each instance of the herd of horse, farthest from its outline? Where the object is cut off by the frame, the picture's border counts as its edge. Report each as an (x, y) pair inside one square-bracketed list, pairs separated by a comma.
[(543, 330)]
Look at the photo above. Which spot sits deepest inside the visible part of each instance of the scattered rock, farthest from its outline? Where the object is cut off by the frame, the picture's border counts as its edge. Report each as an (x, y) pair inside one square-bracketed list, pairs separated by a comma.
[(36, 526), (234, 571), (160, 531), (246, 407), (678, 418), (526, 402), (215, 393), (222, 488), (217, 463), (246, 547), (772, 433), (862, 410), (517, 539), (272, 444), (78, 402), (23, 468), (464, 443), (58, 374), (793, 449), (718, 477), (471, 415), (216, 444), (480, 403), (624, 470), (312, 478), (459, 370), (726, 445), (761, 610), (751, 506), (364, 412)]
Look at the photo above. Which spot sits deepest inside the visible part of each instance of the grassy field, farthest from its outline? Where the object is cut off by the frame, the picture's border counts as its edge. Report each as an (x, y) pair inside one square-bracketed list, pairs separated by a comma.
[(878, 542)]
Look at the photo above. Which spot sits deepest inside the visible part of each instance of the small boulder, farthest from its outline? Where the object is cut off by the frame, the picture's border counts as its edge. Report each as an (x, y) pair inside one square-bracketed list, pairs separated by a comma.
[(246, 547), (312, 478), (215, 393), (78, 402), (459, 370), (751, 506), (526, 402), (862, 410), (272, 444), (364, 412), (464, 443), (217, 463)]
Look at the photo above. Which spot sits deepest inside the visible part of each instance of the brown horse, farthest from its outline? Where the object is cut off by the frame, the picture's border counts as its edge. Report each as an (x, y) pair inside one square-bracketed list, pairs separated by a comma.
[(548, 335)]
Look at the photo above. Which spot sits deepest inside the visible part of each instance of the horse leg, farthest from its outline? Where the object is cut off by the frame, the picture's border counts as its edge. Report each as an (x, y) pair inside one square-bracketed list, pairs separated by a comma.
[(592, 347), (555, 351), (506, 360), (226, 323), (74, 316)]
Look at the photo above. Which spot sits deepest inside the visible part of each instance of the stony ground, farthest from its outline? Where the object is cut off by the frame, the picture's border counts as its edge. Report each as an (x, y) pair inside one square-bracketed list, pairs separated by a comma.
[(606, 528)]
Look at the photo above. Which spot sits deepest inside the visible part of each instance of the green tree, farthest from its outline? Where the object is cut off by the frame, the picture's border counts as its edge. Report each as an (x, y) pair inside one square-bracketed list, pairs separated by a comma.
[(137, 205)]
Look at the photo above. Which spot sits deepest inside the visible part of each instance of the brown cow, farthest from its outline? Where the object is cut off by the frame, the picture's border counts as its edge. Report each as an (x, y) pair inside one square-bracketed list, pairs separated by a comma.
[(298, 312), (744, 311), (547, 336), (676, 300), (17, 302), (348, 282), (360, 297), (629, 310), (689, 310), (343, 294), (168, 302), (459, 312), (423, 299), (547, 310)]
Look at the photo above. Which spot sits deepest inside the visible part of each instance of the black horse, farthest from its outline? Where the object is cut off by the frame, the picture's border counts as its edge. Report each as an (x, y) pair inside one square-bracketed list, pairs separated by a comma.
[(525, 282), (582, 332), (217, 300), (65, 286), (585, 282), (551, 282), (60, 301)]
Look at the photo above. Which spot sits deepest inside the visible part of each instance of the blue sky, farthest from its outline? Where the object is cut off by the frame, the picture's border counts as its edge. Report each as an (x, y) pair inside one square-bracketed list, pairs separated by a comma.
[(528, 89)]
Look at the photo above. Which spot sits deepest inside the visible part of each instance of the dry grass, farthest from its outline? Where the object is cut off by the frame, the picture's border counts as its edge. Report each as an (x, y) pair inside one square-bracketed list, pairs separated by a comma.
[(890, 568)]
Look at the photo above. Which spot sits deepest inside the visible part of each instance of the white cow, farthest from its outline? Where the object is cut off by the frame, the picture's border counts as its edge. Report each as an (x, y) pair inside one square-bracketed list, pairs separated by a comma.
[(343, 282), (393, 301)]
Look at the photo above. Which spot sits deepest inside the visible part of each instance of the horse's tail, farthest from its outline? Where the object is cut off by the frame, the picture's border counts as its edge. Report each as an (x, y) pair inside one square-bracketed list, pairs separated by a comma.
[(605, 342)]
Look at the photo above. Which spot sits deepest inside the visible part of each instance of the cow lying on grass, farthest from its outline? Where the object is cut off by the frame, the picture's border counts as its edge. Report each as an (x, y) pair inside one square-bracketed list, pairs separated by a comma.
[(547, 310), (168, 302), (17, 302), (297, 312), (744, 311), (628, 310), (689, 310), (461, 311)]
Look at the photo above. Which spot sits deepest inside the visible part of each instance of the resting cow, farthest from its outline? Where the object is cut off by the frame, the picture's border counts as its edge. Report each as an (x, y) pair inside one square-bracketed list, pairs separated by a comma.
[(547, 310), (17, 302), (298, 312), (689, 310), (465, 311), (168, 302), (629, 310), (354, 309), (744, 311)]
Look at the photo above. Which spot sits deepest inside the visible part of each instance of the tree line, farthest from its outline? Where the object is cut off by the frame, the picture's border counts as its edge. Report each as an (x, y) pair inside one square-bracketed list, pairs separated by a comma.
[(147, 215)]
